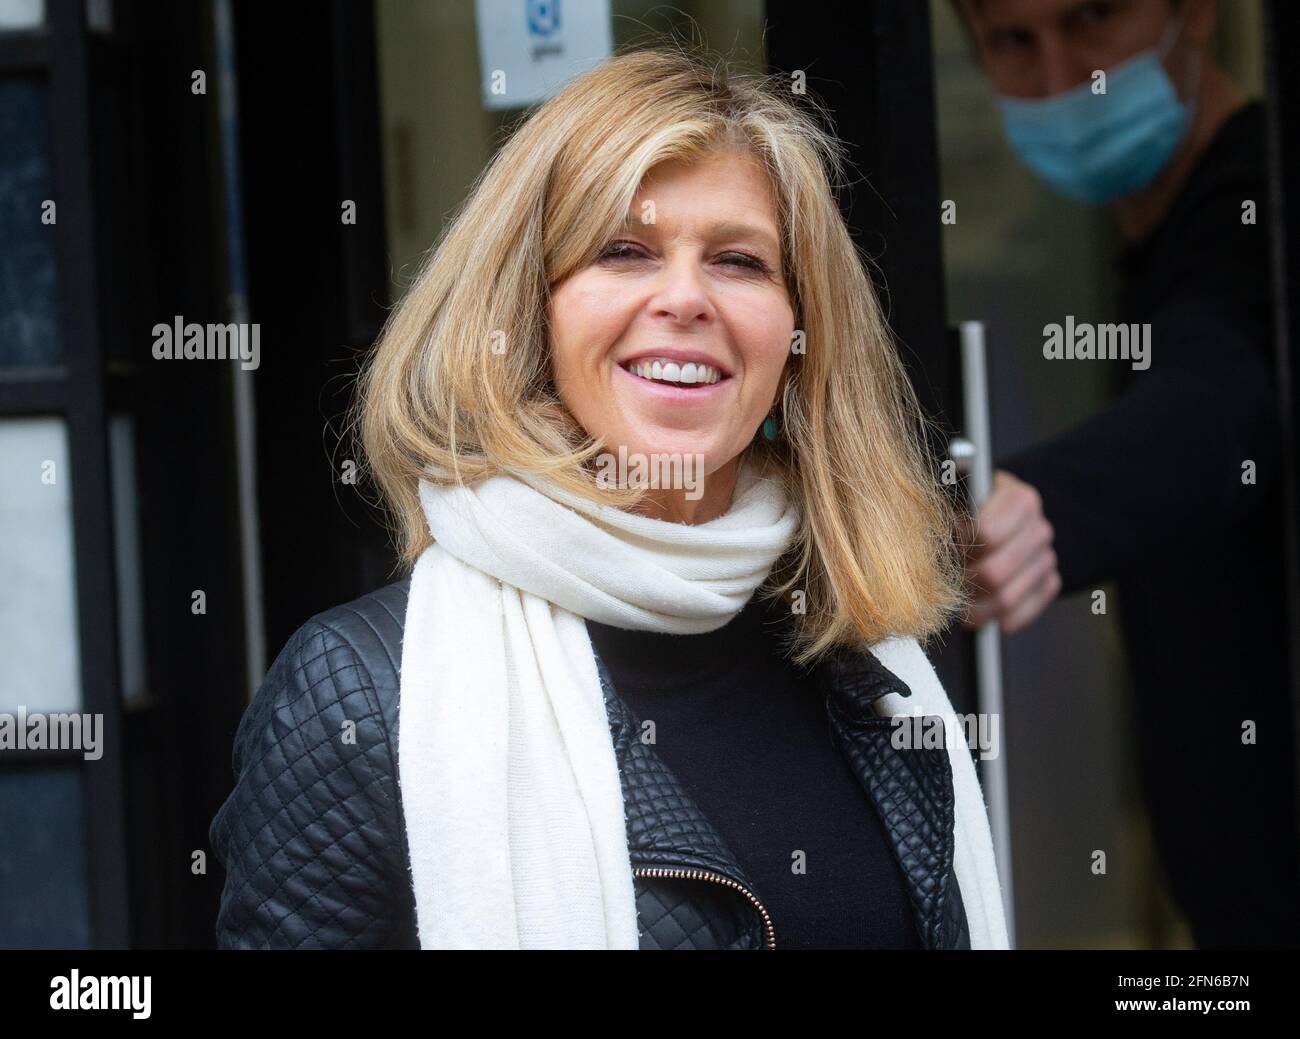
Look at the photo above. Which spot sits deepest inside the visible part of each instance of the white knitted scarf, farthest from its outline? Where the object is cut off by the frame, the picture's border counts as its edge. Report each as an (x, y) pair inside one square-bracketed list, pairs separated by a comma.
[(509, 783)]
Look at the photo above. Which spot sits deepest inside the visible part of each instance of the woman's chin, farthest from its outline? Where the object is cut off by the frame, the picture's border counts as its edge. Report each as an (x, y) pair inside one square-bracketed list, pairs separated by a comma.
[(664, 444)]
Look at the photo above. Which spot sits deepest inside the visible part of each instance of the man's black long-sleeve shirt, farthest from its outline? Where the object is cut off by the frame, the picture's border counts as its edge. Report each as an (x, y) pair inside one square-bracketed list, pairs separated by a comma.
[(1150, 492), (1163, 464)]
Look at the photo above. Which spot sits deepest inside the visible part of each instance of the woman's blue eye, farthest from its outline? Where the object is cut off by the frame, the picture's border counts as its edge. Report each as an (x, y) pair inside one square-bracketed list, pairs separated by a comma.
[(752, 262), (618, 250), (629, 251)]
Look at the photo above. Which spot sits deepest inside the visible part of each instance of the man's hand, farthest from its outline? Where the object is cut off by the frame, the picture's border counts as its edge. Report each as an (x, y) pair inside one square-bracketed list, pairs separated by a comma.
[(1009, 559)]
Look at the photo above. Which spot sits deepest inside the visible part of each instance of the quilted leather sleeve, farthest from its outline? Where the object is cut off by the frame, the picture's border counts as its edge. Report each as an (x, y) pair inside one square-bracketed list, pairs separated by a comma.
[(311, 836)]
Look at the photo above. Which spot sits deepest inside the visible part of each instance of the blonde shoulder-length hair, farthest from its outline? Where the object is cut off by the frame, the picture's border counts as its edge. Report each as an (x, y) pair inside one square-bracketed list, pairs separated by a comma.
[(461, 377)]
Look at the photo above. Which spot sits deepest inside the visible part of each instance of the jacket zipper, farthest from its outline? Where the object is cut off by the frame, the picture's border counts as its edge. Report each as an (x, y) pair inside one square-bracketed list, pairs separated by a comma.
[(718, 878)]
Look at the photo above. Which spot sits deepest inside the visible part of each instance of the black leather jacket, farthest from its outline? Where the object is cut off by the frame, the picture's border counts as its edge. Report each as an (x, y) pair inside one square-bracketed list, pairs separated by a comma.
[(314, 847)]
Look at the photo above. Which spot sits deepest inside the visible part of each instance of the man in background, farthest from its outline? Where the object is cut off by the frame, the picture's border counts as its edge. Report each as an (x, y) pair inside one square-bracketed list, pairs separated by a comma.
[(1174, 491)]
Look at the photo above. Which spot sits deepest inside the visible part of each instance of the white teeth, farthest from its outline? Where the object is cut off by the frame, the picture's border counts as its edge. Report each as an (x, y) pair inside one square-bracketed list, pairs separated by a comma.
[(669, 371)]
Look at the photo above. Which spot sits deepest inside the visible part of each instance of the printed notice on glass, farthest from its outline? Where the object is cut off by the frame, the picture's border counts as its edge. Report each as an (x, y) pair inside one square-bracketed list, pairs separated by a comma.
[(528, 49)]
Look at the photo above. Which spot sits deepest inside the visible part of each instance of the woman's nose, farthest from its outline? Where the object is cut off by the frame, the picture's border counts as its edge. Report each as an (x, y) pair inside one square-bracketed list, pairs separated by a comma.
[(682, 292)]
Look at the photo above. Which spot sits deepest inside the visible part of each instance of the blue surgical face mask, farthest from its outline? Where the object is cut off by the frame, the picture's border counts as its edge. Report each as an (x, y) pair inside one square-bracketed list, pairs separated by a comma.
[(1098, 147)]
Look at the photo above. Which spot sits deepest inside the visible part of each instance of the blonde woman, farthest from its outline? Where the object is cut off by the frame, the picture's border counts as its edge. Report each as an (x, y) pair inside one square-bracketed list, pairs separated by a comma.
[(654, 462)]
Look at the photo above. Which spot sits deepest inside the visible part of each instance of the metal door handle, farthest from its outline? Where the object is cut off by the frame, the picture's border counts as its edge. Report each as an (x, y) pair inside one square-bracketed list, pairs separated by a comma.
[(973, 455)]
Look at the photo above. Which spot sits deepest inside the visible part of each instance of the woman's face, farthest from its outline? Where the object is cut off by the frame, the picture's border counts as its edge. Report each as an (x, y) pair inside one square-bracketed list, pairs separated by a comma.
[(698, 283)]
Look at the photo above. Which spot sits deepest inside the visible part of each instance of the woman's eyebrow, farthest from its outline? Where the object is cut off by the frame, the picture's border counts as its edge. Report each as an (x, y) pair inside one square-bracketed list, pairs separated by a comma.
[(725, 229), (752, 231)]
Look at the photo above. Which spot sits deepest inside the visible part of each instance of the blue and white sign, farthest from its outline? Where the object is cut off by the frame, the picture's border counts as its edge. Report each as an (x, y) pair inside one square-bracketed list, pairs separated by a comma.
[(528, 49)]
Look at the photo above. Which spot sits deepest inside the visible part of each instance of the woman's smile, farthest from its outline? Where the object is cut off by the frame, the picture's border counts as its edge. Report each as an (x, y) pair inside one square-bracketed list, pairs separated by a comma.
[(668, 369), (666, 381)]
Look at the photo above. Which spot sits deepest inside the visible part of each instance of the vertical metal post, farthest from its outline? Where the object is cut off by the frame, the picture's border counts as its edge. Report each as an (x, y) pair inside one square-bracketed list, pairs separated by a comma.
[(245, 405), (988, 645)]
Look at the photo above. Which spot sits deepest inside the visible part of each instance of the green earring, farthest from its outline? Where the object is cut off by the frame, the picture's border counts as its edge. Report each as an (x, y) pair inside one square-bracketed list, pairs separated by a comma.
[(770, 431)]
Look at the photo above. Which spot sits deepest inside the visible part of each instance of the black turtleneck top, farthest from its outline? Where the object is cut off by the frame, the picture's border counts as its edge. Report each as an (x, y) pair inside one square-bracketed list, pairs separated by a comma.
[(747, 733)]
